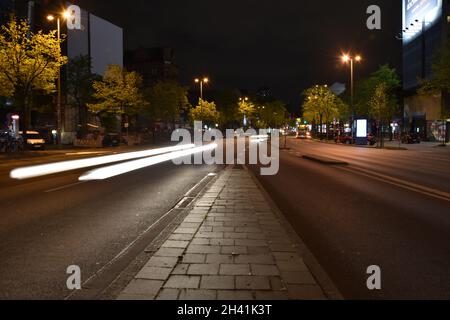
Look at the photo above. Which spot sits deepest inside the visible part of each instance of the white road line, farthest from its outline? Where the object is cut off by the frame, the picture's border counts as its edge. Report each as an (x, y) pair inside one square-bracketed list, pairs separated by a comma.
[(66, 187)]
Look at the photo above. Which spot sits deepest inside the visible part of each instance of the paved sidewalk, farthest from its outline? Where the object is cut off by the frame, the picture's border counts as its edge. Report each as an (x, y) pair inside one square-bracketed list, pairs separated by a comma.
[(230, 246)]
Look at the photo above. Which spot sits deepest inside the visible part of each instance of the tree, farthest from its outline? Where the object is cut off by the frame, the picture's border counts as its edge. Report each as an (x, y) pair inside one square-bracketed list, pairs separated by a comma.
[(439, 84), (366, 89), (167, 100), (118, 93), (380, 109), (322, 106), (28, 62), (80, 89), (247, 110), (205, 111), (272, 115), (227, 106)]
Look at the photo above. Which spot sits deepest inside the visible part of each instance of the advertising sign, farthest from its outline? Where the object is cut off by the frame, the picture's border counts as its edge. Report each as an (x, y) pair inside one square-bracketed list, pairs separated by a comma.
[(361, 128), (417, 14)]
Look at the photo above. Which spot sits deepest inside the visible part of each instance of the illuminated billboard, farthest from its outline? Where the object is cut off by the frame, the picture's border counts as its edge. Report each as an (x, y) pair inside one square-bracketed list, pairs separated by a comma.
[(419, 15), (361, 128)]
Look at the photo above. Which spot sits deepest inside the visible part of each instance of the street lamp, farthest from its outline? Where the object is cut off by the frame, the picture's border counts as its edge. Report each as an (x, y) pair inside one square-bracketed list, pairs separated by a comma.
[(201, 82), (346, 59), (51, 17)]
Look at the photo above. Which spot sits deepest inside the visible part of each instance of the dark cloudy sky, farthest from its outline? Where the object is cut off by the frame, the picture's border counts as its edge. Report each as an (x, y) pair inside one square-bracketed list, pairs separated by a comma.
[(284, 44)]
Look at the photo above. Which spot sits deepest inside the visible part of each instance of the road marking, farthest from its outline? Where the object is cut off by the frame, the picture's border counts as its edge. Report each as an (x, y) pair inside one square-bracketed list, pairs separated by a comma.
[(66, 187), (400, 183)]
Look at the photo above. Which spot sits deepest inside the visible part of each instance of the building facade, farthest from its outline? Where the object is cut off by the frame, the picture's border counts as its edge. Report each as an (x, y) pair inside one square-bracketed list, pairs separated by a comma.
[(425, 29), (153, 64)]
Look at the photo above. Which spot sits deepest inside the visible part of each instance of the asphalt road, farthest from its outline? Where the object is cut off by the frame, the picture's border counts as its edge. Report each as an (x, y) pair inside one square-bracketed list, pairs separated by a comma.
[(386, 208), (49, 223)]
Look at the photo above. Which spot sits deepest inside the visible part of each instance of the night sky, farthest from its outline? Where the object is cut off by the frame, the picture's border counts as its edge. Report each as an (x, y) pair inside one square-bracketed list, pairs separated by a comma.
[(286, 45)]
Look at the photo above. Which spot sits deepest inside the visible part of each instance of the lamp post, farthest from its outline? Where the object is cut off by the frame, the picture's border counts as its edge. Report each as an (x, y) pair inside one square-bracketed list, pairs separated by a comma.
[(201, 82), (60, 126), (349, 59)]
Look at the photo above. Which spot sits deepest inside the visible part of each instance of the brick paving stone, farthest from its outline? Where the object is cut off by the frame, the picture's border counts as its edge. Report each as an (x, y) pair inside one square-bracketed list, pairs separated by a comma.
[(168, 294), (182, 282), (271, 295), (298, 265), (265, 270), (169, 252), (247, 230), (233, 250), (221, 242), (282, 248), (219, 258), (200, 241), (252, 283), (234, 269), (258, 250), (276, 284), (250, 243), (213, 224), (234, 295), (194, 258), (234, 235), (287, 256), (186, 230), (290, 277), (193, 248), (163, 262), (154, 273), (256, 236), (223, 229), (256, 259), (148, 288), (198, 294), (182, 237), (180, 269), (175, 244), (217, 282), (190, 225), (210, 235), (203, 269)]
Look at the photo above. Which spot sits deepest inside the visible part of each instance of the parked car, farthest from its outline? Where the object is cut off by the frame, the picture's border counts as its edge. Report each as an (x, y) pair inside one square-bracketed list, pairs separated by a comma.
[(345, 138), (34, 140), (113, 140), (411, 138)]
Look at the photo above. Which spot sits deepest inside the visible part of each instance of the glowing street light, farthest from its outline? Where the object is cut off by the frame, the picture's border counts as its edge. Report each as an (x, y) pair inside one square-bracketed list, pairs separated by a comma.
[(203, 81), (346, 58), (65, 15)]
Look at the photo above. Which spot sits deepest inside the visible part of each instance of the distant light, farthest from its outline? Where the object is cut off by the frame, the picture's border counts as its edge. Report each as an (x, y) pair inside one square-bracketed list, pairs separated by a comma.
[(122, 168), (50, 17), (345, 58), (57, 167), (67, 14), (206, 80), (358, 58), (15, 117), (197, 80)]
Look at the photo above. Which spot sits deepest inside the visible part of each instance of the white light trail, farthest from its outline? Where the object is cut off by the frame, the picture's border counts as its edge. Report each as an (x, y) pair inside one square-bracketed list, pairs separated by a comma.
[(57, 167), (119, 169)]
